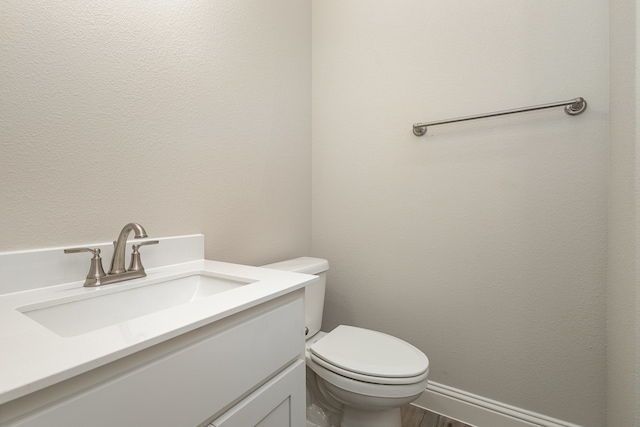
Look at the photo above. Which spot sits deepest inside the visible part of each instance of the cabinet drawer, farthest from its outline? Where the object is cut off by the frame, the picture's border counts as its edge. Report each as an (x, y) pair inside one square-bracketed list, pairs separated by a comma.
[(278, 403), (188, 386)]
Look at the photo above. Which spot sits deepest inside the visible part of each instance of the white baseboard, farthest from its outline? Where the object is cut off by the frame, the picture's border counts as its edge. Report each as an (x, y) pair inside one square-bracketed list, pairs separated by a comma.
[(480, 411)]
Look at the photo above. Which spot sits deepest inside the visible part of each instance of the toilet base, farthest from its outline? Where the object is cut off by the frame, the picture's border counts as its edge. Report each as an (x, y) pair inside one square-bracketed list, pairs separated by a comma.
[(354, 417)]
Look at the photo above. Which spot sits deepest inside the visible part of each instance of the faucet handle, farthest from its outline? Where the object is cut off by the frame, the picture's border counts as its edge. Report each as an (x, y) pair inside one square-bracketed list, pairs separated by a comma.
[(95, 252), (136, 264), (96, 272), (148, 242)]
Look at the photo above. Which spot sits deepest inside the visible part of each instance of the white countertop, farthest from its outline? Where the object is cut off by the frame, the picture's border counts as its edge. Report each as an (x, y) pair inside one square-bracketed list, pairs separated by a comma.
[(33, 357)]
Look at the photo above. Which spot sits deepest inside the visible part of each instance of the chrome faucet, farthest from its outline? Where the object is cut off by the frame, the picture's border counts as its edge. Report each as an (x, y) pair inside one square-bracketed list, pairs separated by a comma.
[(117, 272)]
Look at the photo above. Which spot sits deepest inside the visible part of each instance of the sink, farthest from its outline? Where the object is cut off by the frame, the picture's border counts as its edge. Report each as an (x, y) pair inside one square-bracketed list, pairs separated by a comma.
[(112, 306)]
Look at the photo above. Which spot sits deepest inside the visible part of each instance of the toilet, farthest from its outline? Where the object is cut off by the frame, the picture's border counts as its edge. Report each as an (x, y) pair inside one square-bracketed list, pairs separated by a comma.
[(355, 377)]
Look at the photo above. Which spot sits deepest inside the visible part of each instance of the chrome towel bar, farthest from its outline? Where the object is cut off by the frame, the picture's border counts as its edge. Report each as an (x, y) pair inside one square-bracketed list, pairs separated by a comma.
[(573, 107)]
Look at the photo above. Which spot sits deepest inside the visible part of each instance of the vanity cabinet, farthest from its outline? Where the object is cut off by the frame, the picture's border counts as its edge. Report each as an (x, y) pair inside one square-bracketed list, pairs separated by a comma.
[(244, 370)]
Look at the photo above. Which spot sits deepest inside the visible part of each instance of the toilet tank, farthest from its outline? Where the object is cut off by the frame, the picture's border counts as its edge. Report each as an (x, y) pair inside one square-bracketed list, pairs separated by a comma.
[(313, 293)]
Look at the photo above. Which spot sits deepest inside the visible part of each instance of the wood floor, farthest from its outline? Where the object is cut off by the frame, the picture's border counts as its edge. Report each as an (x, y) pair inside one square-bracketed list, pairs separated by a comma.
[(412, 416)]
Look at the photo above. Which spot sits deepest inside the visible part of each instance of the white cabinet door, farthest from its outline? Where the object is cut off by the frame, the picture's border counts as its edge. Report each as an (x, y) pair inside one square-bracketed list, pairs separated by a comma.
[(278, 403)]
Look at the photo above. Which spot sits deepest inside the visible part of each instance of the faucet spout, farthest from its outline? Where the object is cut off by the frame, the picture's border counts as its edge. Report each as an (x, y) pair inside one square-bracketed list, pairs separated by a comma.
[(117, 262)]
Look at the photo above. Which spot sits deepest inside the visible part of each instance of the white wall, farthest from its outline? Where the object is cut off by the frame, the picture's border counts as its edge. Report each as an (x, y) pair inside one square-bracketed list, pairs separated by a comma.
[(623, 281), (483, 243), (186, 116)]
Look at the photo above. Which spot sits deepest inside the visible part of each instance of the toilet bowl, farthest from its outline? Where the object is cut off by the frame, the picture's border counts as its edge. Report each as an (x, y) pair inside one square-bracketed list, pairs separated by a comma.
[(356, 377), (369, 373)]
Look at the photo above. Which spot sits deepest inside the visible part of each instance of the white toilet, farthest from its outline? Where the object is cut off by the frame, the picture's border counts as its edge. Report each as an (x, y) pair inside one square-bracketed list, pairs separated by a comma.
[(355, 375)]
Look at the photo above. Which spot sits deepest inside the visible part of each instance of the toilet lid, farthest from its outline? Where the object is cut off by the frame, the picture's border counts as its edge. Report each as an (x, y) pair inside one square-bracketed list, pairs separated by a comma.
[(370, 353)]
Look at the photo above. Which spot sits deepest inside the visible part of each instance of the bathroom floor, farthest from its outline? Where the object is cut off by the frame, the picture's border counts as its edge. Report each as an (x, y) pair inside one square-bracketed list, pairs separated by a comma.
[(413, 416)]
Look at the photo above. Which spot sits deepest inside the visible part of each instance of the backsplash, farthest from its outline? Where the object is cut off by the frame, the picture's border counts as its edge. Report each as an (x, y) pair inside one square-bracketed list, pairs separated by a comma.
[(37, 268)]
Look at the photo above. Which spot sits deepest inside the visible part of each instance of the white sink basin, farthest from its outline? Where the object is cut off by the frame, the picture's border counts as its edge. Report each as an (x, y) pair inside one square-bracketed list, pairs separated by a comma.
[(115, 305)]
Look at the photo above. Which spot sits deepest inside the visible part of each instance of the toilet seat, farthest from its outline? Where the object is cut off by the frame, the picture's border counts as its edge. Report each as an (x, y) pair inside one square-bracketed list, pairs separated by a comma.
[(368, 388), (370, 356)]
